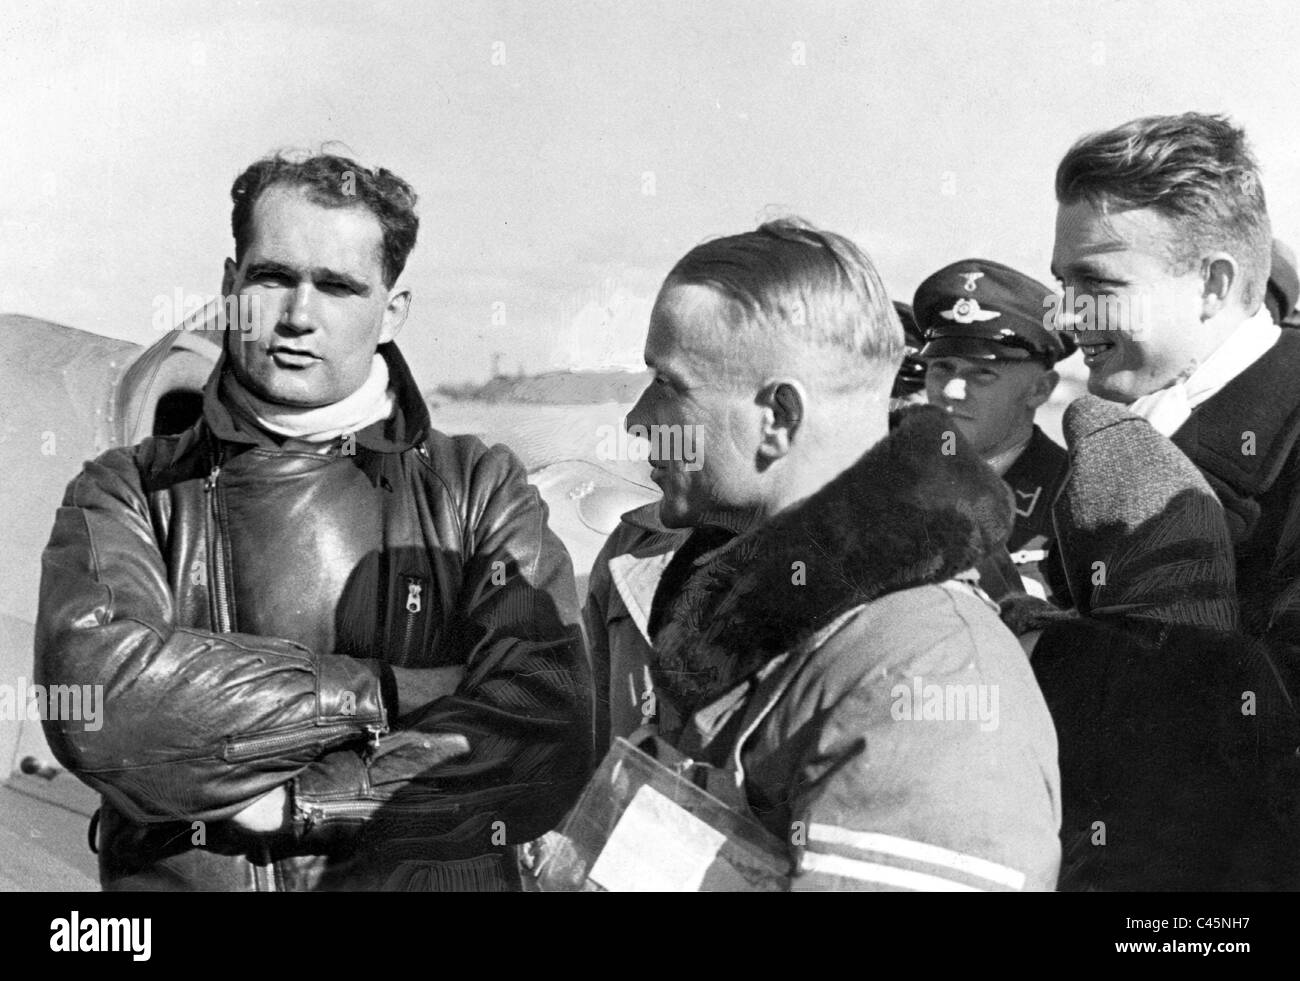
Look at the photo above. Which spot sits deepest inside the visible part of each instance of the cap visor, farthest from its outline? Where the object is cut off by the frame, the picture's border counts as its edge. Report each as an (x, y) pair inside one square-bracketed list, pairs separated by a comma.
[(973, 347)]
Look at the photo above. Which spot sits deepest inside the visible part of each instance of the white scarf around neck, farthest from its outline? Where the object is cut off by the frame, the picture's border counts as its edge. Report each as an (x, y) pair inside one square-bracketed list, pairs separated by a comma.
[(1168, 408), (370, 403)]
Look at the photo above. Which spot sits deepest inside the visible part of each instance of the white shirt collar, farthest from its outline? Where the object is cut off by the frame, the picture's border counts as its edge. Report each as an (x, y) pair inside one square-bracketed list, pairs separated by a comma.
[(1168, 408)]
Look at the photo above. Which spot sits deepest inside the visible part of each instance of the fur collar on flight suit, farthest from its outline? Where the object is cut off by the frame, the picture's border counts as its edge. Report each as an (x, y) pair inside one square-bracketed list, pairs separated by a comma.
[(919, 507)]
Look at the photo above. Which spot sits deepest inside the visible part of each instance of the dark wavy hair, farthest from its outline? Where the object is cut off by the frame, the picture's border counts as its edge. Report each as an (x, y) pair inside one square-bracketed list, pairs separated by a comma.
[(1196, 170), (335, 182)]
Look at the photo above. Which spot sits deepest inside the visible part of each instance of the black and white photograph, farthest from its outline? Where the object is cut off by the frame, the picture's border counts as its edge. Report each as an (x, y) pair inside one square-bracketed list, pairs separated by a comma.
[(651, 446)]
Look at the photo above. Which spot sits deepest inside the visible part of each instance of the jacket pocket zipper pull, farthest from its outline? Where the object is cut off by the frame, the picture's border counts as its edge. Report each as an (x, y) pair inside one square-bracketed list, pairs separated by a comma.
[(310, 816), (413, 591)]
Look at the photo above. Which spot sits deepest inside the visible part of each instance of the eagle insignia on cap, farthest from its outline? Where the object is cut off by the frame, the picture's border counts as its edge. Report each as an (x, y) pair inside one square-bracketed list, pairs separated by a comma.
[(970, 280), (967, 311)]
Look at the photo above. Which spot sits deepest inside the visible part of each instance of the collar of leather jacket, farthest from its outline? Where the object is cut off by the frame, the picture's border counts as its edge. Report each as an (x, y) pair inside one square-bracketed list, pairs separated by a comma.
[(918, 507), (404, 429)]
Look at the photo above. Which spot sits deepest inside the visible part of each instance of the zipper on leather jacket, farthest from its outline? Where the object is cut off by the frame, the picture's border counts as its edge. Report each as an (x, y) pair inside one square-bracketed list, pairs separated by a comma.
[(358, 809), (375, 730), (354, 810), (251, 747), (362, 809), (217, 554), (414, 601)]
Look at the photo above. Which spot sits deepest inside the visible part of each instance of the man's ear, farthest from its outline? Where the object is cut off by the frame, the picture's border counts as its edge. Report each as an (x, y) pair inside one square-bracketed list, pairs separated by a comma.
[(784, 403), (399, 304), (1043, 387), (1219, 271)]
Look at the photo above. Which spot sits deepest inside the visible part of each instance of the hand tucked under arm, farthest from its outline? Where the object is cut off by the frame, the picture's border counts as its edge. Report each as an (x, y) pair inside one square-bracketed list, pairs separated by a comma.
[(268, 813)]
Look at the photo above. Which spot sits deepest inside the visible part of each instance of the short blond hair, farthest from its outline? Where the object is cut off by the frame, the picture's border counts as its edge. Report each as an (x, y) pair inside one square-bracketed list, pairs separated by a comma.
[(790, 283), (1194, 169)]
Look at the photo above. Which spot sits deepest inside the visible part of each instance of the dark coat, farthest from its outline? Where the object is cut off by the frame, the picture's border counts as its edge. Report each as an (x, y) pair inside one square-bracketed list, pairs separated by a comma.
[(1035, 479), (1246, 441), (1168, 716), (241, 605)]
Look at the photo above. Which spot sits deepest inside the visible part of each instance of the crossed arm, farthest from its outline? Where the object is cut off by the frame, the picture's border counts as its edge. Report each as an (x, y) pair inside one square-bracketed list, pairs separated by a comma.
[(212, 726), (416, 688)]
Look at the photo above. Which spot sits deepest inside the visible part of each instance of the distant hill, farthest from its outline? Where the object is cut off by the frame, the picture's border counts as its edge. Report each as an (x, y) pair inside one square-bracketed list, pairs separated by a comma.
[(553, 388)]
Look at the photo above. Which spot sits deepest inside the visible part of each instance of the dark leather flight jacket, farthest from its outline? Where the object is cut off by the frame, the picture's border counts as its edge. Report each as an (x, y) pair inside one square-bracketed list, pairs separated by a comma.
[(242, 605)]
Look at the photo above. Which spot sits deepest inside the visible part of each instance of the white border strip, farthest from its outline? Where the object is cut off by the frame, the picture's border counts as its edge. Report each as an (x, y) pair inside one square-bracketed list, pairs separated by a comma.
[(919, 852), (851, 868)]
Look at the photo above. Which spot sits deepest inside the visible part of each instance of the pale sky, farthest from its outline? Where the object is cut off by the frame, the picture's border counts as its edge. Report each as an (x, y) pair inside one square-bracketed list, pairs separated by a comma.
[(566, 154)]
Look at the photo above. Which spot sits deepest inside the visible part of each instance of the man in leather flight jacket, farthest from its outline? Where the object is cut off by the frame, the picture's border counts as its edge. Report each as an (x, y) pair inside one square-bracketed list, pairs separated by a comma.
[(338, 649)]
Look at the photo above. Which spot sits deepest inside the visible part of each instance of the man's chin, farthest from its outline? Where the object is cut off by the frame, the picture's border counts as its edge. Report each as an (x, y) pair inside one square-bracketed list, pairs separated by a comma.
[(289, 398), (285, 388), (674, 516), (677, 511), (1113, 387)]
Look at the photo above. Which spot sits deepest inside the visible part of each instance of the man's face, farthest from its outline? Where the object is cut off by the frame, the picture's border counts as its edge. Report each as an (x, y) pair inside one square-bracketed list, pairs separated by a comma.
[(313, 277), (992, 403), (696, 385), (1143, 320)]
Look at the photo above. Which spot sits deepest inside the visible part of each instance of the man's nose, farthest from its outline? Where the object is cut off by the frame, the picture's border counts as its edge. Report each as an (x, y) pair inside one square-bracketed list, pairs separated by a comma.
[(640, 413), (299, 311), (955, 390)]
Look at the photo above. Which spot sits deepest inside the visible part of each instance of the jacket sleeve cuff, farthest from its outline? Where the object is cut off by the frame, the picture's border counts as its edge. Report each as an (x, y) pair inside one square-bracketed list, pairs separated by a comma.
[(336, 786), (356, 690)]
